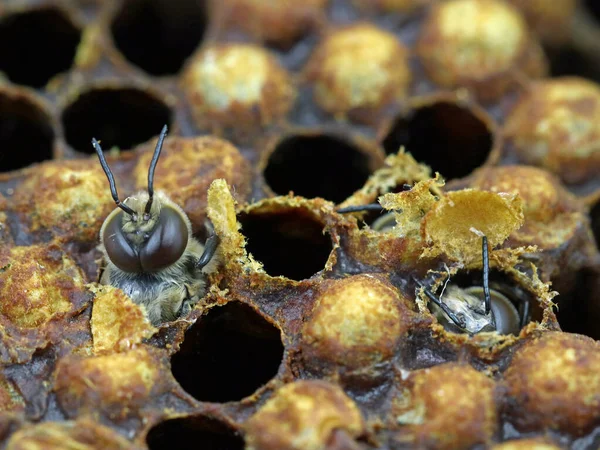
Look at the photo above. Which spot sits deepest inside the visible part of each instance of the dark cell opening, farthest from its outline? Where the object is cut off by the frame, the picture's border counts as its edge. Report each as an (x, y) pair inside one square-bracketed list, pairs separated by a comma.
[(504, 293), (26, 134), (594, 7), (289, 243), (158, 35), (317, 166), (567, 61), (116, 117), (192, 433), (227, 354), (37, 45), (447, 137), (595, 215), (578, 306)]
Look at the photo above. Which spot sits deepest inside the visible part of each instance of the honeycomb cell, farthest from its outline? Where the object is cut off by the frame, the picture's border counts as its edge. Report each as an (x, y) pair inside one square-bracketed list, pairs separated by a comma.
[(68, 197), (550, 20), (279, 23), (555, 125), (237, 86), (82, 434), (186, 168), (303, 415), (552, 214), (117, 323), (158, 36), (120, 117), (480, 45), (356, 322), (319, 165), (527, 444), (42, 283), (452, 138), (288, 242), (27, 130), (445, 407), (116, 385), (359, 70), (189, 433), (43, 42), (227, 354), (553, 383)]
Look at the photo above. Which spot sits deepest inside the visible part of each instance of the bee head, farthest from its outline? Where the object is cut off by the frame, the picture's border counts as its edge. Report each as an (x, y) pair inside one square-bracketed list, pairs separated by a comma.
[(146, 233)]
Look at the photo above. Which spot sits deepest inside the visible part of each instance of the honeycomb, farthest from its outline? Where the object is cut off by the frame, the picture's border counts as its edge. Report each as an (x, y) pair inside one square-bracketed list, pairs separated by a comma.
[(460, 118)]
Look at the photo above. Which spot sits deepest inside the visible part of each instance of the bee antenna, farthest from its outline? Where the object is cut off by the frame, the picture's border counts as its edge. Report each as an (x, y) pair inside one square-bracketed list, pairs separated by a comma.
[(459, 322), (486, 274), (111, 179), (153, 164), (360, 208)]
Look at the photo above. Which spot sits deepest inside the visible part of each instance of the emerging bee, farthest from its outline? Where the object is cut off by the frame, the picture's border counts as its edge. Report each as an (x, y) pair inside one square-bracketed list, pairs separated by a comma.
[(465, 310), (149, 250)]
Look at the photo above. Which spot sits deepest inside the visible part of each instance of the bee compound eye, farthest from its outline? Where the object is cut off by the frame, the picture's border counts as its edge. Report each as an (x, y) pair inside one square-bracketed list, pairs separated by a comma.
[(167, 241), (118, 249)]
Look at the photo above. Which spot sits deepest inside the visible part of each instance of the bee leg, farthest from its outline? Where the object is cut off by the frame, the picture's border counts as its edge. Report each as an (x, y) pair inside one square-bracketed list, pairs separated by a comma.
[(187, 304), (210, 247), (457, 320), (524, 311)]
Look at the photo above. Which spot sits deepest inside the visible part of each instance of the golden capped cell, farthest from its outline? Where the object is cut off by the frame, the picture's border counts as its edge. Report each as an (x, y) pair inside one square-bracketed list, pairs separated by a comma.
[(39, 283), (69, 197), (303, 415), (238, 87), (527, 444), (550, 20), (552, 214), (115, 384), (553, 383), (358, 70), (280, 22), (188, 166), (391, 6), (356, 321), (482, 45), (445, 407), (117, 323), (556, 125), (82, 434)]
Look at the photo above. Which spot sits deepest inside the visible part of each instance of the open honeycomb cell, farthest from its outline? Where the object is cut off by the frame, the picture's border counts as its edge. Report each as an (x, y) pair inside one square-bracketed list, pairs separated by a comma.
[(322, 326)]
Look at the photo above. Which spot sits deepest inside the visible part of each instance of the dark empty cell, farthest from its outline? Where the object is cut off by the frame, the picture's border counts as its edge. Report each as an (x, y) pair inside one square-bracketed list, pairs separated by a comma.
[(227, 354), (593, 6), (37, 45), (26, 135), (158, 35), (446, 137), (116, 117), (595, 215), (192, 433), (317, 166), (289, 243), (579, 307)]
